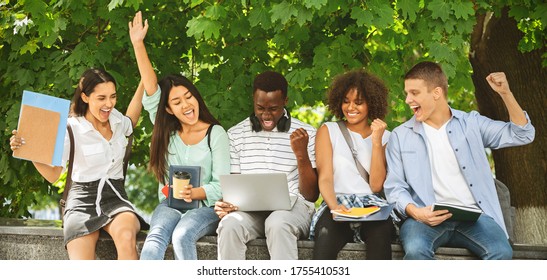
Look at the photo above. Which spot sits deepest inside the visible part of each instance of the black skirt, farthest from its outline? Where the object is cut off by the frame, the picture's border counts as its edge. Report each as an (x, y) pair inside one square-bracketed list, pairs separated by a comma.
[(80, 216)]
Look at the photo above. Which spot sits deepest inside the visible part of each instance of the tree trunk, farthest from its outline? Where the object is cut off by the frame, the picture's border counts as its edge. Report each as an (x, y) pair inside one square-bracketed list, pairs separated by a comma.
[(494, 48)]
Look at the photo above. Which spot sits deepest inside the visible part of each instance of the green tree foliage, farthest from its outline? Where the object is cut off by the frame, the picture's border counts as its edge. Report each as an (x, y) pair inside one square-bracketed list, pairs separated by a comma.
[(222, 45)]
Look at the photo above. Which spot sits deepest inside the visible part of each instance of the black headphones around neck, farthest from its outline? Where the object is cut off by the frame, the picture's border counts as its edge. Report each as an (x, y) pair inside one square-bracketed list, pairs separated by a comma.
[(283, 125)]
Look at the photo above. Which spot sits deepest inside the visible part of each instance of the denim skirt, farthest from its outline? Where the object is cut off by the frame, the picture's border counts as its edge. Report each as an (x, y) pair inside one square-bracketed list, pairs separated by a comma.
[(80, 216)]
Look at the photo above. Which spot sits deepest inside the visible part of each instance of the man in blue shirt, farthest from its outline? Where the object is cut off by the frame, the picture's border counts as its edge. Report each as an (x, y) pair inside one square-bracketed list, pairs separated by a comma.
[(438, 156)]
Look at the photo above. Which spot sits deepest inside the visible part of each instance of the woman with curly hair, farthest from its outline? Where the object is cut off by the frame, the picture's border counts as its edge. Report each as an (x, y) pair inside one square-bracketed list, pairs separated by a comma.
[(359, 100)]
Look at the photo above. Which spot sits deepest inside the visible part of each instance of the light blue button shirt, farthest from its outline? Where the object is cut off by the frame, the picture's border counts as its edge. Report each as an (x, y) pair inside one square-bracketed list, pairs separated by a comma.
[(409, 178)]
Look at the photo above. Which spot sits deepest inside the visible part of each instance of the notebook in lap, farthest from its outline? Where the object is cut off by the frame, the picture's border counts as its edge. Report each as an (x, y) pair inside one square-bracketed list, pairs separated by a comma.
[(257, 192), (381, 215)]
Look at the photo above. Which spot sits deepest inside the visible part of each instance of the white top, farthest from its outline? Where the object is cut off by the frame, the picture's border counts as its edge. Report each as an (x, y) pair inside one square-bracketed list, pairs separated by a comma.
[(347, 179), (268, 151), (95, 157), (448, 181)]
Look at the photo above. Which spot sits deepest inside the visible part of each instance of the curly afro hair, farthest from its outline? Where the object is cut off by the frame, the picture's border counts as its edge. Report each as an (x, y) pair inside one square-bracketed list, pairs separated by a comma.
[(368, 86)]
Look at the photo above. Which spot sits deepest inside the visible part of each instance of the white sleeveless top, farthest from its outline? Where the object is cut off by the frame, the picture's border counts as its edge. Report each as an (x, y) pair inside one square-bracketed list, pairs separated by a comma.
[(347, 179)]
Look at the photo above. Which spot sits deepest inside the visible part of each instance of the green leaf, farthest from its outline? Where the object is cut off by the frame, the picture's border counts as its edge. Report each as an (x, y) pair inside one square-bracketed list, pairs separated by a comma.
[(519, 12), (304, 16), (77, 55), (46, 27), (446, 56), (49, 40), (541, 14), (465, 26), (463, 9), (36, 8), (60, 24), (30, 47), (215, 12), (283, 12), (440, 52), (259, 15), (113, 4), (81, 17), (26, 77), (409, 8), (383, 11), (315, 4), (239, 27), (363, 17), (202, 27), (299, 77), (195, 3), (439, 9), (133, 3)]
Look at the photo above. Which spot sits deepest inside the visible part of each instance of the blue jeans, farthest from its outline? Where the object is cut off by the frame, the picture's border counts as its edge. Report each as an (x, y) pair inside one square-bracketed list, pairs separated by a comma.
[(184, 229), (485, 238)]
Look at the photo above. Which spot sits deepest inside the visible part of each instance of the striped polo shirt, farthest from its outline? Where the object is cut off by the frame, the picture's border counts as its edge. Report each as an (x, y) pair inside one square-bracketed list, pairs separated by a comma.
[(268, 151)]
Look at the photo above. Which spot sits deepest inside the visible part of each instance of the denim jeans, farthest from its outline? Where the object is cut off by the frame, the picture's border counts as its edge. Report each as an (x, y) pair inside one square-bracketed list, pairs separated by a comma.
[(485, 238), (183, 229)]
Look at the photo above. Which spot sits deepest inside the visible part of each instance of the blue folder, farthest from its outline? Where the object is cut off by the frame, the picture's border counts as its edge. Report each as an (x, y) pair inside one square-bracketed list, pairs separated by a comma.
[(56, 104)]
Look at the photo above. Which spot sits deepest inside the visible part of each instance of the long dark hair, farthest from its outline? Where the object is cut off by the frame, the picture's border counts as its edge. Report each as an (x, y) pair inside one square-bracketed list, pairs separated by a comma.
[(87, 83), (167, 124)]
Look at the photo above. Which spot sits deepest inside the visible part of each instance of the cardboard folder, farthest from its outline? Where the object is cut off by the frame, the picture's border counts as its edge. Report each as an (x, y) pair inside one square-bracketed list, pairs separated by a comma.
[(42, 123)]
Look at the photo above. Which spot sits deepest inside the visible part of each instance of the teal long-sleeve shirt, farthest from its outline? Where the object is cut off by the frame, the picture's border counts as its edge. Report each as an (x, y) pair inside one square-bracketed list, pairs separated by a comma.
[(214, 162)]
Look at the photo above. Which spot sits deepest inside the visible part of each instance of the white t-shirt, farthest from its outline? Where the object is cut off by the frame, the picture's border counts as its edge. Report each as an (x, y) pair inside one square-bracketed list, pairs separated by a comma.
[(95, 157), (448, 181), (347, 179)]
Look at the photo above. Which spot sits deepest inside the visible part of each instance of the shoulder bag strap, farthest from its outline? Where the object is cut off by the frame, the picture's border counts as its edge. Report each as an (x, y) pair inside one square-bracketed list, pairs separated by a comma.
[(345, 132), (127, 154), (208, 133), (128, 149), (68, 182)]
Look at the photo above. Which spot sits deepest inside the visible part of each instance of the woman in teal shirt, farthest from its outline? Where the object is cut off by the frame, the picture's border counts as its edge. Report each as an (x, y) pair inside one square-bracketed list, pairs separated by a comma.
[(181, 121)]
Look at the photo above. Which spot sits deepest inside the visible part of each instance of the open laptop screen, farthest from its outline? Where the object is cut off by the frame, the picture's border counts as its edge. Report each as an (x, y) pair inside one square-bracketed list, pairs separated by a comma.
[(257, 192)]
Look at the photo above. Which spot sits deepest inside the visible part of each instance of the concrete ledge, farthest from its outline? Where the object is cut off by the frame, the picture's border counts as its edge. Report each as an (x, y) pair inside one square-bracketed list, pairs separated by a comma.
[(43, 240)]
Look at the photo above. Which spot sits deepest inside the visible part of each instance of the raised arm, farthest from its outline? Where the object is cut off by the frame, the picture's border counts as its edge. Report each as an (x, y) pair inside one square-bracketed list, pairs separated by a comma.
[(498, 82), (378, 160), (135, 106), (137, 32), (307, 175)]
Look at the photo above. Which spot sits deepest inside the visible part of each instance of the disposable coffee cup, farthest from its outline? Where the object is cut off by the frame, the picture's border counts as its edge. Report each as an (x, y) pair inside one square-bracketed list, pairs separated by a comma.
[(181, 179)]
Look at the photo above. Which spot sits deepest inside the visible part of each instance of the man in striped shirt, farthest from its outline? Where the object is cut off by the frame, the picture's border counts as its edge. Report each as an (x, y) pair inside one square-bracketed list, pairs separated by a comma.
[(270, 141)]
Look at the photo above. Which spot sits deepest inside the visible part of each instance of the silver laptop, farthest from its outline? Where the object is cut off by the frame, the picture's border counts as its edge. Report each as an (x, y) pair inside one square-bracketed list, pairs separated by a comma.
[(257, 192)]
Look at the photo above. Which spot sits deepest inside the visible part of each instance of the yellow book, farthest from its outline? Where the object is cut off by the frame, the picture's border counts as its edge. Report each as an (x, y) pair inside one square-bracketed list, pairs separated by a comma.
[(357, 212)]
